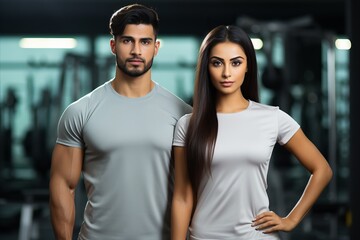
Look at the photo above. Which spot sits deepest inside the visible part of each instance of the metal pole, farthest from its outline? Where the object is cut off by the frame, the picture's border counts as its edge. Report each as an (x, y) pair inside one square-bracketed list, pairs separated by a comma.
[(331, 78), (331, 62)]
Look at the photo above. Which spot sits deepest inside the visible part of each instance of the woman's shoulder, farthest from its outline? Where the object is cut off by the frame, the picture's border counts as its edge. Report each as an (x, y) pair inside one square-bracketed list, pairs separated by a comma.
[(184, 120), (261, 106)]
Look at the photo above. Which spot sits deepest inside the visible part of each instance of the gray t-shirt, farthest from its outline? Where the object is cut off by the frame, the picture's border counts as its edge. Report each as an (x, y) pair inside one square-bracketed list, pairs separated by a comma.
[(235, 192), (127, 169)]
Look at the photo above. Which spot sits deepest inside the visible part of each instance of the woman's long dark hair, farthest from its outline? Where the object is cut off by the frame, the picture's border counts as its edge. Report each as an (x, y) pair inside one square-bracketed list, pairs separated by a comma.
[(203, 127)]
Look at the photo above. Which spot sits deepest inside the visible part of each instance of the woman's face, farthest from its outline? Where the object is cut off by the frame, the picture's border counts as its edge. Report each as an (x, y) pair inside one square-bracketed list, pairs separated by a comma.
[(227, 67)]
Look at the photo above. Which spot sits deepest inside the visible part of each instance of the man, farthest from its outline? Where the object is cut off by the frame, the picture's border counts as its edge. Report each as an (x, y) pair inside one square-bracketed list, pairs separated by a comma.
[(119, 136)]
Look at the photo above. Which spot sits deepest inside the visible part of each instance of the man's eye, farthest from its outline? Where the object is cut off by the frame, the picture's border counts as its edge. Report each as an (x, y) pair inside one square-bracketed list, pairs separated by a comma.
[(126, 41), (146, 42)]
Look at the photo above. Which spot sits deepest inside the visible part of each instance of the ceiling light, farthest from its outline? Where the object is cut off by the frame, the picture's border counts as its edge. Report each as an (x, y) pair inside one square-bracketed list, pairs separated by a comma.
[(47, 43), (257, 42), (343, 44)]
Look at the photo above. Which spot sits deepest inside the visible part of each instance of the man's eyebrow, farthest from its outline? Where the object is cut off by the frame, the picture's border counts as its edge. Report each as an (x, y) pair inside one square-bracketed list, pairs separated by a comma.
[(127, 37), (142, 39), (147, 39)]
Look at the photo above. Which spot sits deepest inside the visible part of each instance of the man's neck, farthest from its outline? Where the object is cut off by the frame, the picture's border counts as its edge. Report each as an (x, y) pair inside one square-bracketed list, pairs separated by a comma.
[(132, 87)]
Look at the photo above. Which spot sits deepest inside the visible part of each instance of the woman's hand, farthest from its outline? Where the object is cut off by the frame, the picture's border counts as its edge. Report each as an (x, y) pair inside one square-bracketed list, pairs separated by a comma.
[(269, 222)]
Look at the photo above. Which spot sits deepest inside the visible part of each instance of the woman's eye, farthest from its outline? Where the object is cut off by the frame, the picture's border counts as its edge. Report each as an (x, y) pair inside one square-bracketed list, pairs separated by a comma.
[(236, 63), (216, 63)]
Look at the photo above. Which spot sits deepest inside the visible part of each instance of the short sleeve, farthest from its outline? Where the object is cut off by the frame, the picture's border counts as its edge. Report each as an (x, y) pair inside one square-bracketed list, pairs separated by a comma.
[(69, 131), (180, 131), (287, 127)]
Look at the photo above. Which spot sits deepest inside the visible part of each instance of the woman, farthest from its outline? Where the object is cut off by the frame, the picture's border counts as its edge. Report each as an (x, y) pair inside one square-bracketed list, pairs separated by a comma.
[(222, 150)]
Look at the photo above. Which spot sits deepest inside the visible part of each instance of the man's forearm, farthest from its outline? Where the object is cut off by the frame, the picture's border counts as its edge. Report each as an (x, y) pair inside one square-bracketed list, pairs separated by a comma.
[(62, 209)]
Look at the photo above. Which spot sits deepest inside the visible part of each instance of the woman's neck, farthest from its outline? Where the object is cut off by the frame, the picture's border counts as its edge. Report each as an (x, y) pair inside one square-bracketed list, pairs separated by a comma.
[(231, 104)]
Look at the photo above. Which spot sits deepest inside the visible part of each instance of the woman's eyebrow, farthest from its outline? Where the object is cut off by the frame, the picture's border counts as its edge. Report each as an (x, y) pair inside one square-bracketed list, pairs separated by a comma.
[(219, 58)]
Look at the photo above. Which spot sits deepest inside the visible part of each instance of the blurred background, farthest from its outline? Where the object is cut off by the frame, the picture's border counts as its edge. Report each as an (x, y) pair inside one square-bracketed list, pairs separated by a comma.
[(54, 52)]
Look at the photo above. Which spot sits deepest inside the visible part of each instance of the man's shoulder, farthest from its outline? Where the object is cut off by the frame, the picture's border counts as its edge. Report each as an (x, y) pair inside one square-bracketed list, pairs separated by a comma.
[(85, 102), (166, 95), (171, 102)]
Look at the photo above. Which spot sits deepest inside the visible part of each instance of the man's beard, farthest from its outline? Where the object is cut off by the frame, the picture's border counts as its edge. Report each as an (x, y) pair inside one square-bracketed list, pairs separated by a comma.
[(134, 72)]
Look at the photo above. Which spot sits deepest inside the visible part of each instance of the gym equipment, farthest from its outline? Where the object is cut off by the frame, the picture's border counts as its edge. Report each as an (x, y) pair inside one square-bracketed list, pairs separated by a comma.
[(7, 110)]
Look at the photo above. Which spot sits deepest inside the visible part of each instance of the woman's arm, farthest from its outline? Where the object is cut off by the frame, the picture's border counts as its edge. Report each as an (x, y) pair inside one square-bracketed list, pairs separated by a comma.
[(182, 203), (311, 158), (65, 172)]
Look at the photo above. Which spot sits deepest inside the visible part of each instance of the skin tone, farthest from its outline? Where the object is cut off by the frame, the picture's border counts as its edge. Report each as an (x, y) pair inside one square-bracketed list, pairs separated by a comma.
[(134, 51), (65, 172), (183, 199), (227, 68)]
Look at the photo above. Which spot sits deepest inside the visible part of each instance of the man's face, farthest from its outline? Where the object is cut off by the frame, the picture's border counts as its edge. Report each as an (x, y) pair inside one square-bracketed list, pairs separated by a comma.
[(135, 49)]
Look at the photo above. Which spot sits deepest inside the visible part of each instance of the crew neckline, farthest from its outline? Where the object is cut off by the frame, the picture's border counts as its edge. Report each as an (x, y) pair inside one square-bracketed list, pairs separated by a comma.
[(136, 99), (238, 112)]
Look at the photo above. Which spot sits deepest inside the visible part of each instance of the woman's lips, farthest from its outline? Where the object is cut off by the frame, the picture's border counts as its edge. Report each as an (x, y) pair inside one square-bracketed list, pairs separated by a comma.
[(227, 83)]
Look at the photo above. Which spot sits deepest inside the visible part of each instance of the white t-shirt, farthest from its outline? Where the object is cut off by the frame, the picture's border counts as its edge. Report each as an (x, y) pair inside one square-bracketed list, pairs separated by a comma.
[(235, 193)]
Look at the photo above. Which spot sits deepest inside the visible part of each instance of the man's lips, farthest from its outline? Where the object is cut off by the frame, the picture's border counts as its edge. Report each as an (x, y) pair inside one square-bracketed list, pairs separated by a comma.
[(135, 60)]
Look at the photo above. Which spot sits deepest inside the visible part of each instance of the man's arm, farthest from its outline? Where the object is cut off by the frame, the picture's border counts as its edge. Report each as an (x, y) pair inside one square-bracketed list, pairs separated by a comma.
[(183, 200), (66, 165)]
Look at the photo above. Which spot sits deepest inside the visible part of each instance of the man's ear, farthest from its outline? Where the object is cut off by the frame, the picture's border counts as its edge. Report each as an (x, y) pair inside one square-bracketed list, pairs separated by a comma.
[(157, 46), (112, 45)]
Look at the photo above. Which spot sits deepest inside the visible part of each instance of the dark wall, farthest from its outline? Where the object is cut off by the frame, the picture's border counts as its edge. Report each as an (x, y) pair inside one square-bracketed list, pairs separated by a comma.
[(178, 17), (353, 28)]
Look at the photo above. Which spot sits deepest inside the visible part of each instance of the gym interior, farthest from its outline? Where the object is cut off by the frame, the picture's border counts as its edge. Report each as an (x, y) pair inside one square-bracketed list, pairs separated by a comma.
[(308, 58)]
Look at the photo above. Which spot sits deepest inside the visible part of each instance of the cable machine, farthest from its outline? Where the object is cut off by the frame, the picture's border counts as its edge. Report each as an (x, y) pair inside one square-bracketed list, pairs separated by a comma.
[(305, 84)]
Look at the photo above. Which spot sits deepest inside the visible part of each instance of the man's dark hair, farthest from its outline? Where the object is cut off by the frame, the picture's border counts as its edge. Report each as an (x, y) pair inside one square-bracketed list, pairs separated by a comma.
[(133, 14)]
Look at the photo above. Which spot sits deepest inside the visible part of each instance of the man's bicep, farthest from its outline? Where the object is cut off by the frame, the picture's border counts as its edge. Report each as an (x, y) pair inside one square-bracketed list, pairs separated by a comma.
[(66, 164)]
